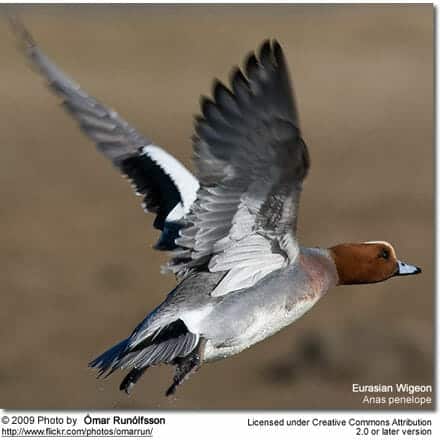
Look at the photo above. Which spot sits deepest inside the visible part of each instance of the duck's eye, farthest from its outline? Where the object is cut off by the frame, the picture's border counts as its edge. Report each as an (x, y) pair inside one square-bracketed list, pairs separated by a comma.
[(385, 254)]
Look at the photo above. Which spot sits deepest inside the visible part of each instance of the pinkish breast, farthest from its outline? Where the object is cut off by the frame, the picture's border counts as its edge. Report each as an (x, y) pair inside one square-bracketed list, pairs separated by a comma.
[(320, 269)]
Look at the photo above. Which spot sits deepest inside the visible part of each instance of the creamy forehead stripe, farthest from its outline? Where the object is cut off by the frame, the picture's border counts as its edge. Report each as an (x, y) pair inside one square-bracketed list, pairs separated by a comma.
[(384, 243), (378, 242)]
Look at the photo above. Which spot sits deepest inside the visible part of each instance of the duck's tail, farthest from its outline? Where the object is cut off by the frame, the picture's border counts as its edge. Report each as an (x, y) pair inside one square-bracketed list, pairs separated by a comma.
[(107, 361), (110, 360), (168, 345)]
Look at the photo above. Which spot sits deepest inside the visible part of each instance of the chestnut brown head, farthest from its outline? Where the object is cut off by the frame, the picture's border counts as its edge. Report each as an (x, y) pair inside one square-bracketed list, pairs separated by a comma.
[(369, 262)]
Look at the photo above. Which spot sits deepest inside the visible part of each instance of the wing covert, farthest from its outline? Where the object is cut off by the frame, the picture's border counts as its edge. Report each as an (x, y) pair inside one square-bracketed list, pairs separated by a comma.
[(167, 187), (251, 162)]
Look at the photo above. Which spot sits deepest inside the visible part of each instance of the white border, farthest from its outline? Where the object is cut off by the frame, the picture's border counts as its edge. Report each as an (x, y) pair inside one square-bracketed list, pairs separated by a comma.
[(220, 424)]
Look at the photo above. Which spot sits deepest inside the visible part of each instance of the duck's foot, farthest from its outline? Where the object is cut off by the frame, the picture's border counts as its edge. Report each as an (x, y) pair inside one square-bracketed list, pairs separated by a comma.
[(186, 366), (131, 378)]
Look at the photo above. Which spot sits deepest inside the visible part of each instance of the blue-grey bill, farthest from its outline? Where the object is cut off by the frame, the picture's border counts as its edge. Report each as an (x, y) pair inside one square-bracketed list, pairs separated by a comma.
[(407, 269)]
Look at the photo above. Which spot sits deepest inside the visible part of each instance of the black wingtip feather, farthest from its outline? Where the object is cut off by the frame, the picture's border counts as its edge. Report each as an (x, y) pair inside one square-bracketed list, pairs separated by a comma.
[(278, 52), (241, 88), (204, 103), (236, 76), (225, 100), (216, 85), (251, 66), (265, 51), (219, 90)]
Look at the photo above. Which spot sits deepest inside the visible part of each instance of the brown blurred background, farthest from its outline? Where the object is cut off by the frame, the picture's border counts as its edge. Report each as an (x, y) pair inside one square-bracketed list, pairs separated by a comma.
[(78, 272)]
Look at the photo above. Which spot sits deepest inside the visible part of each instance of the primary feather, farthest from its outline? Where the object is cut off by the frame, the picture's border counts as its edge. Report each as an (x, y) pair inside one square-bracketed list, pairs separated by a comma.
[(251, 161), (167, 187)]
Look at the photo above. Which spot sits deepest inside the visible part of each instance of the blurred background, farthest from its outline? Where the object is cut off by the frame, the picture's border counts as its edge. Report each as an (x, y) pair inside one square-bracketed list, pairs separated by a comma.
[(78, 272)]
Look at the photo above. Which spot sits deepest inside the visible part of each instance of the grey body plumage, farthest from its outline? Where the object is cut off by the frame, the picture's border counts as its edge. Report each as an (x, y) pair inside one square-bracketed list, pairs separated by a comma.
[(241, 274)]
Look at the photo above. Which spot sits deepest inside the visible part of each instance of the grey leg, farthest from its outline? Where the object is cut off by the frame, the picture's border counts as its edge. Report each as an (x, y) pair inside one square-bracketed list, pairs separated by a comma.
[(131, 378), (186, 366)]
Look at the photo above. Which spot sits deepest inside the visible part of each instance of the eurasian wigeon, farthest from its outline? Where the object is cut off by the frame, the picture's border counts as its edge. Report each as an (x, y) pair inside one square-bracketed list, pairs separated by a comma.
[(242, 275)]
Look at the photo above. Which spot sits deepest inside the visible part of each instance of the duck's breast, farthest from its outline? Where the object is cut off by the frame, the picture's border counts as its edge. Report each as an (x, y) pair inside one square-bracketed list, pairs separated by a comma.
[(246, 317)]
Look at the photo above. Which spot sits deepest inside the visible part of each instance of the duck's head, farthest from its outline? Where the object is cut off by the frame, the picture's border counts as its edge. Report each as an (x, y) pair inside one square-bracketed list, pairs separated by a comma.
[(369, 262)]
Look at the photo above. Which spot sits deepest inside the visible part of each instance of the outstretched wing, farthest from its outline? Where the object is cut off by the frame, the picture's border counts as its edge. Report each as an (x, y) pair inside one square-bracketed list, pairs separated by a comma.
[(251, 162), (167, 187)]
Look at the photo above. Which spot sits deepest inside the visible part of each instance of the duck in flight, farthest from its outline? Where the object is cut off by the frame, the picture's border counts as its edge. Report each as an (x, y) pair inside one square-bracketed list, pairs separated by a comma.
[(242, 276)]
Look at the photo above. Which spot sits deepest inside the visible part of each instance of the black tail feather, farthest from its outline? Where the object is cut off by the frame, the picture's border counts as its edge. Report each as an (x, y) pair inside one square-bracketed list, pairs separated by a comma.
[(107, 360), (172, 342)]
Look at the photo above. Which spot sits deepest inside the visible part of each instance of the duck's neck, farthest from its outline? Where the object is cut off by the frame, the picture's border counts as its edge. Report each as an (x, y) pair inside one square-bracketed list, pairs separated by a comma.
[(319, 265)]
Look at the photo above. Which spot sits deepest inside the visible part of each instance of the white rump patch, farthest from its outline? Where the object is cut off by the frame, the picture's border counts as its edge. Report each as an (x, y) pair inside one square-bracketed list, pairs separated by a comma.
[(193, 318)]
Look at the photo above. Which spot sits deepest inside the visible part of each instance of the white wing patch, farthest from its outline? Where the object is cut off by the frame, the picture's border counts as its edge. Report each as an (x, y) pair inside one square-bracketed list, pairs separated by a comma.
[(185, 182), (177, 213)]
